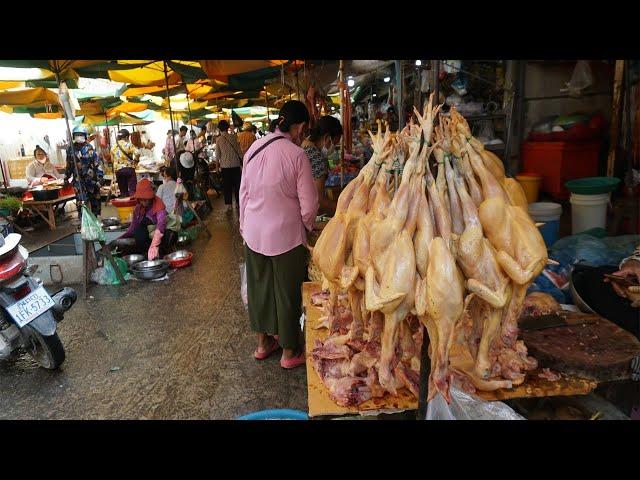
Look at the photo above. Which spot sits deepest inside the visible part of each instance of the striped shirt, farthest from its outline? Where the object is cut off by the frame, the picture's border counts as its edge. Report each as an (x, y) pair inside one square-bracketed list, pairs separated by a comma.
[(229, 154)]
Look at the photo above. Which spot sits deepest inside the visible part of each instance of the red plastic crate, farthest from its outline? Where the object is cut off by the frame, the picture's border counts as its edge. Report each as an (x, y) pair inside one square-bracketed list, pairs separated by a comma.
[(559, 162)]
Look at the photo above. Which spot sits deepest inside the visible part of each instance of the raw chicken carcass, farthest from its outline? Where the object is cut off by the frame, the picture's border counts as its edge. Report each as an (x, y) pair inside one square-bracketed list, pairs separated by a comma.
[(439, 303)]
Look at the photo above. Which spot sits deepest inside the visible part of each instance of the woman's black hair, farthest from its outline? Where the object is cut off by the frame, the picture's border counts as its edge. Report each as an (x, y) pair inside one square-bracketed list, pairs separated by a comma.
[(38, 147), (326, 125), (170, 171), (223, 126), (292, 113), (183, 128), (272, 125)]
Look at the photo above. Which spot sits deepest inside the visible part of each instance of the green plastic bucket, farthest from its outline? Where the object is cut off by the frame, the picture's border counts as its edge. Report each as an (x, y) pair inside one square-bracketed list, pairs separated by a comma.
[(593, 185)]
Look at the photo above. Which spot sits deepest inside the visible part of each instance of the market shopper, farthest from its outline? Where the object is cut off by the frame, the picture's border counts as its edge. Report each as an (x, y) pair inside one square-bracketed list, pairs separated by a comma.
[(278, 206), (181, 141), (246, 137), (89, 176), (149, 211), (318, 146), (194, 145), (167, 191), (125, 157), (230, 160), (169, 150), (41, 170)]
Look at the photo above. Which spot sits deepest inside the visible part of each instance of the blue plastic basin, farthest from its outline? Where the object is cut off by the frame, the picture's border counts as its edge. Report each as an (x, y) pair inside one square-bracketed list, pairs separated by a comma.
[(276, 414)]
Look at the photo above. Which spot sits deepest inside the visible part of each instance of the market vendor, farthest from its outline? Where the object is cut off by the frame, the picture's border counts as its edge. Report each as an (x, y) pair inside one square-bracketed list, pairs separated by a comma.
[(125, 157), (150, 210), (630, 268), (41, 170), (324, 136)]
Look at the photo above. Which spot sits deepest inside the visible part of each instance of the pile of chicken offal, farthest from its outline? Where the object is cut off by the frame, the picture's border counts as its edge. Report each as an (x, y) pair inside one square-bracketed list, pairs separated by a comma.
[(448, 245)]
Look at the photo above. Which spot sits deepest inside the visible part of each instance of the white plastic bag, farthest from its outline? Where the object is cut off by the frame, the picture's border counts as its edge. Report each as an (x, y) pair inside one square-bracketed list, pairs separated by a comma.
[(243, 285), (468, 407), (581, 78)]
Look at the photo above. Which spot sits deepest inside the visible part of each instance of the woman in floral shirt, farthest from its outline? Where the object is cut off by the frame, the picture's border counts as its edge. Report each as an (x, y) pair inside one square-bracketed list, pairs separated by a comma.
[(325, 135)]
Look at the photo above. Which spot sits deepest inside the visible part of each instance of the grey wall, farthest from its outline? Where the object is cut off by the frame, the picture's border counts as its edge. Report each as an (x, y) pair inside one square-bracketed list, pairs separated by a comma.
[(546, 79)]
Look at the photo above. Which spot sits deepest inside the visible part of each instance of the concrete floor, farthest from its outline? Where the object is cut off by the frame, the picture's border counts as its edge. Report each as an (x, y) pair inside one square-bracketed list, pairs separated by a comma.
[(180, 349)]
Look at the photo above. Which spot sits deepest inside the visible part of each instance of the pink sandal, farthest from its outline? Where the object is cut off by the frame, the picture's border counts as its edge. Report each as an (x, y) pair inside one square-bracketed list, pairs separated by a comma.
[(292, 362), (272, 348)]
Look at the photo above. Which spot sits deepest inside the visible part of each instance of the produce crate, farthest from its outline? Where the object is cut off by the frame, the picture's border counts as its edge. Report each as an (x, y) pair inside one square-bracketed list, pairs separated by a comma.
[(559, 162)]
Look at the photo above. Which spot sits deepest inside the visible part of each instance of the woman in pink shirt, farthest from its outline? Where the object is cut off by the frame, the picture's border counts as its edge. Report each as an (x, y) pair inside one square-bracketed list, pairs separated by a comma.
[(278, 205)]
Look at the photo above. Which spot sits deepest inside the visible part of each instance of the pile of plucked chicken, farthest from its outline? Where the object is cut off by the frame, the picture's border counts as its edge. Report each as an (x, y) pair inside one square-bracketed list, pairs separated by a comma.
[(431, 233)]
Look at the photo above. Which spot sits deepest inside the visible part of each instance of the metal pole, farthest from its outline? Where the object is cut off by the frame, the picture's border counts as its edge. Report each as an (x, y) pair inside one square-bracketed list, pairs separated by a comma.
[(166, 82), (188, 106), (399, 82), (75, 165), (341, 87)]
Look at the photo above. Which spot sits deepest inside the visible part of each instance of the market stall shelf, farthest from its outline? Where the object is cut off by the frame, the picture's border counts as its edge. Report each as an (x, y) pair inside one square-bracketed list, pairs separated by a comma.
[(47, 209), (320, 403)]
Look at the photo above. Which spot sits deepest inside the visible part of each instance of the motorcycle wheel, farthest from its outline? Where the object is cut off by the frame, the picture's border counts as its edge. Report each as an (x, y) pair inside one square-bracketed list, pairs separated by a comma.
[(47, 351)]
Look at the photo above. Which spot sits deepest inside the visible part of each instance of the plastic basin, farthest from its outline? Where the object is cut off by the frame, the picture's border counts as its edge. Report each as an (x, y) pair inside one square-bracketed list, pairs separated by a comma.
[(276, 414), (592, 185)]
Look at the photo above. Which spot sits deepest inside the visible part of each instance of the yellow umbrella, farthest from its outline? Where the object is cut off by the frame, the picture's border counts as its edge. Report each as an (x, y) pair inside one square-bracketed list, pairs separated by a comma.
[(29, 97)]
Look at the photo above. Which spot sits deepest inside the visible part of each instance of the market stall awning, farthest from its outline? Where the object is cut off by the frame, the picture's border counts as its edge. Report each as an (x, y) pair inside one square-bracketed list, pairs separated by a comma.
[(29, 97), (146, 72)]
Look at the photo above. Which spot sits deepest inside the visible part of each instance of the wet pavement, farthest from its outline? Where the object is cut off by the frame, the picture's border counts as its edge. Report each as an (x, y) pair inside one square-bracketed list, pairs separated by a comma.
[(178, 349)]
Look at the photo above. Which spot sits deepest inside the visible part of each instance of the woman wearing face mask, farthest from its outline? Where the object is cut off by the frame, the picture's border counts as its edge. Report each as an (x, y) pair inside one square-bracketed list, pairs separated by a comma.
[(278, 206), (318, 146), (41, 170)]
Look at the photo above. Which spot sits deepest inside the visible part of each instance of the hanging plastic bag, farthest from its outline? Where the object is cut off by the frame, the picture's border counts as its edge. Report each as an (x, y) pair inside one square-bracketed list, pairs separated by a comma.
[(91, 229), (581, 79), (468, 407), (243, 285), (486, 133)]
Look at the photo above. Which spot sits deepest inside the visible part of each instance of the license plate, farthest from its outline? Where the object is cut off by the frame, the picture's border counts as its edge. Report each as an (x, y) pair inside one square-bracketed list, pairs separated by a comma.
[(31, 306)]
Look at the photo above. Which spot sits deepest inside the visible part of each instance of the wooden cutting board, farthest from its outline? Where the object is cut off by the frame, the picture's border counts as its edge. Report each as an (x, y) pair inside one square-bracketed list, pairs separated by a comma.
[(320, 403), (598, 350)]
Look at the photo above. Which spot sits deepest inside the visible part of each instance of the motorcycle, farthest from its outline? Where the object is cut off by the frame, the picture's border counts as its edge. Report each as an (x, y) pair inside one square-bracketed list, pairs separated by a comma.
[(28, 314)]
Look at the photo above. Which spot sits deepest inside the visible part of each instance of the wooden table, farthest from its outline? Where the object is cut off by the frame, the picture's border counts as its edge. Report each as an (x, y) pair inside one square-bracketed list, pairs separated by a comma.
[(48, 209)]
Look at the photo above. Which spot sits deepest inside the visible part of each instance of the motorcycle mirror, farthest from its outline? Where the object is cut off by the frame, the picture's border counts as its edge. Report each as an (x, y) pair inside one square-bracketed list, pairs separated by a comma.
[(31, 269)]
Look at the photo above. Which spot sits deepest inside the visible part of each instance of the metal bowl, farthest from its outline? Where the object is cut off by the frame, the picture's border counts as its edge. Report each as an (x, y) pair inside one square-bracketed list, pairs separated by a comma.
[(133, 259), (151, 265), (111, 221), (149, 274), (124, 242), (179, 259), (179, 255)]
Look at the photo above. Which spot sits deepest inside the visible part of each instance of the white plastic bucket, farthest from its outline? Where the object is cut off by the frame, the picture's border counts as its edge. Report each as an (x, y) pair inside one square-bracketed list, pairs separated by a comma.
[(588, 211), (548, 213)]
